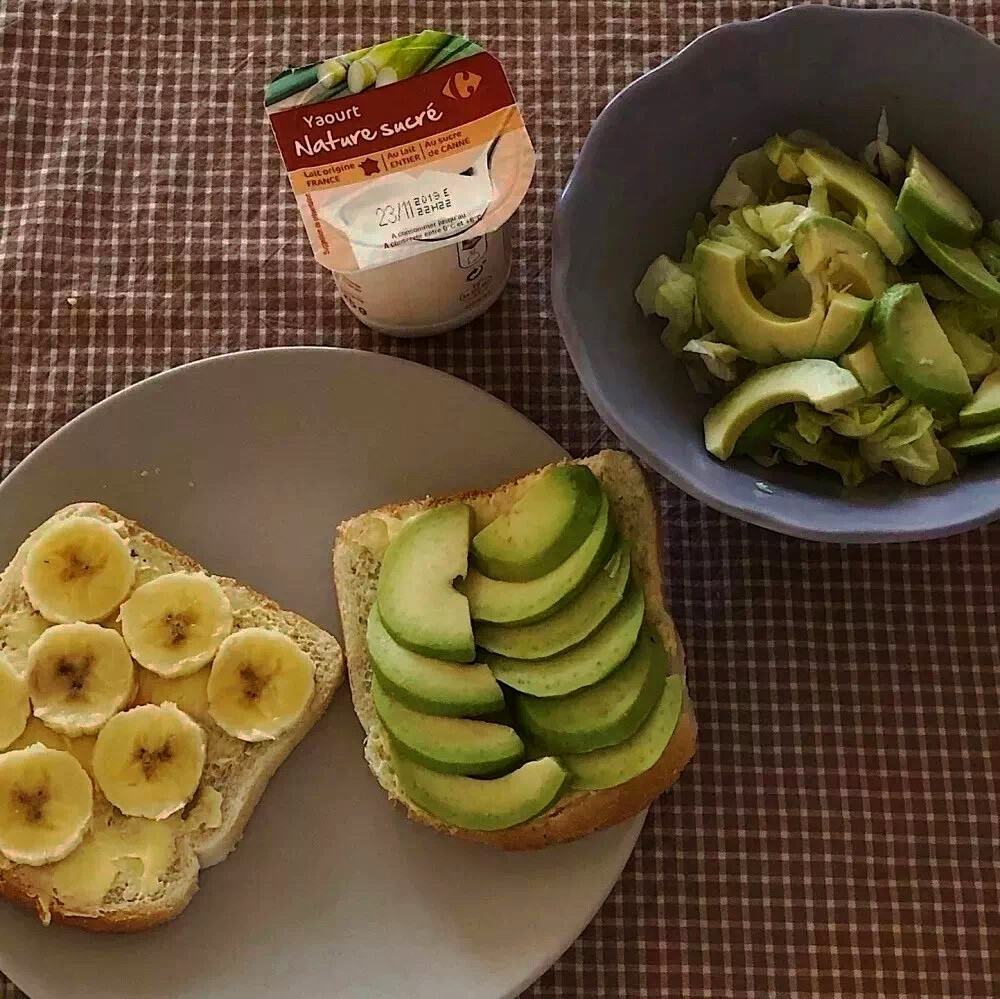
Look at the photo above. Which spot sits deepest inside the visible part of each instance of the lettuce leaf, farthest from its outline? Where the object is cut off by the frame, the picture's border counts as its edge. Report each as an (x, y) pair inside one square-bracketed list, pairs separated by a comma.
[(748, 181), (810, 423), (738, 233), (881, 159), (828, 451), (720, 359), (911, 423), (866, 418), (947, 468), (660, 270), (675, 302), (735, 231), (669, 291), (923, 460), (988, 251), (776, 223), (855, 422), (918, 462), (910, 445), (694, 235)]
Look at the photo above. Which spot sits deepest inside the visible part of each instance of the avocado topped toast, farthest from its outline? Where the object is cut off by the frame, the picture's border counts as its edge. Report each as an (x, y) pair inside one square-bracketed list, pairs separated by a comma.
[(570, 714)]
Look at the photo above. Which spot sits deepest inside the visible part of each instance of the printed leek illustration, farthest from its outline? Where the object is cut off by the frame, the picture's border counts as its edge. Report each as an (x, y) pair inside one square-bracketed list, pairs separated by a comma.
[(377, 65), (395, 60), (459, 47), (319, 81)]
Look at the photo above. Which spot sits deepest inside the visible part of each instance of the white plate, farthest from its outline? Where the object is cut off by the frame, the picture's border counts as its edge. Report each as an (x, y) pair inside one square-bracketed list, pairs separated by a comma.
[(249, 461)]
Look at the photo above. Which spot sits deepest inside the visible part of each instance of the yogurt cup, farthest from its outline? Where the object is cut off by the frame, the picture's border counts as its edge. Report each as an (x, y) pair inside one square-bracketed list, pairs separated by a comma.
[(407, 159), (431, 292)]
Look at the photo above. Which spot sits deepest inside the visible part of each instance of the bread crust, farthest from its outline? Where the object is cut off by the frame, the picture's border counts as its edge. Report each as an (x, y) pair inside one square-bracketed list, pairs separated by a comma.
[(578, 813), (195, 849), (131, 920)]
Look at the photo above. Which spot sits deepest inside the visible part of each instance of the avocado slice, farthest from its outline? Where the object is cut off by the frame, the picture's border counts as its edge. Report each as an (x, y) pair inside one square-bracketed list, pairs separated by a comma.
[(962, 323), (864, 195), (841, 256), (963, 266), (430, 685), (476, 803), (977, 356), (416, 600), (785, 156), (730, 305), (914, 351), (823, 384), (543, 528), (974, 440), (584, 664), (567, 627), (448, 745), (605, 713), (931, 202), (500, 602), (985, 406), (615, 765), (863, 363)]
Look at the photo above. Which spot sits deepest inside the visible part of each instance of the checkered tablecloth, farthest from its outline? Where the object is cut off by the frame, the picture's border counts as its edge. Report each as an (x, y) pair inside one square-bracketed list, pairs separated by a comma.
[(837, 834)]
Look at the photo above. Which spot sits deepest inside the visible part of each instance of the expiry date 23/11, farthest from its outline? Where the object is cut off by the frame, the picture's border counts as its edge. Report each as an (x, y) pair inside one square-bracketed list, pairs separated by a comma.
[(413, 208)]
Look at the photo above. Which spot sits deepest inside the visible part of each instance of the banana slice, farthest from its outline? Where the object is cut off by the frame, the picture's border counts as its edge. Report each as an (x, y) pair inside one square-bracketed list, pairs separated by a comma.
[(260, 684), (15, 707), (79, 569), (175, 624), (81, 746), (149, 761), (46, 801), (18, 630), (79, 675)]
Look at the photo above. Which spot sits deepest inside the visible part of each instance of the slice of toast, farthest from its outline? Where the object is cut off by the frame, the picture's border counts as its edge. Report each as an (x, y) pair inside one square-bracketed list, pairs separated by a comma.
[(151, 880), (357, 558)]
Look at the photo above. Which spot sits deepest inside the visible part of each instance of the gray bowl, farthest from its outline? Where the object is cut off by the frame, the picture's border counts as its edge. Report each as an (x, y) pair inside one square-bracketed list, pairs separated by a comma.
[(652, 160)]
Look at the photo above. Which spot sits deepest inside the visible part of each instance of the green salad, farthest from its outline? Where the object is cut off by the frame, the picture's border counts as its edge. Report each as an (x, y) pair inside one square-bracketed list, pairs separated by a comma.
[(843, 312)]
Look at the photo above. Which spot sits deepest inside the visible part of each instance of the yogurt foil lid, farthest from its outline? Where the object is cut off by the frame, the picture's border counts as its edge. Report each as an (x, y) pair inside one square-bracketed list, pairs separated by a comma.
[(399, 148)]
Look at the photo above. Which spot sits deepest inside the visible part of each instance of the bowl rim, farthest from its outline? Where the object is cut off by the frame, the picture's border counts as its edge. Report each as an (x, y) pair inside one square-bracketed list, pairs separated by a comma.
[(790, 525)]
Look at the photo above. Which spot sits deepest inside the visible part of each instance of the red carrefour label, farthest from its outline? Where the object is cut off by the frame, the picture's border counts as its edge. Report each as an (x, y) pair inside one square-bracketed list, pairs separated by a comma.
[(383, 117)]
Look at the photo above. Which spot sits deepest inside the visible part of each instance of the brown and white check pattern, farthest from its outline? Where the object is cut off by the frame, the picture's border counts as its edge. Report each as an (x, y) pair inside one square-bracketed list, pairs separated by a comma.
[(839, 831)]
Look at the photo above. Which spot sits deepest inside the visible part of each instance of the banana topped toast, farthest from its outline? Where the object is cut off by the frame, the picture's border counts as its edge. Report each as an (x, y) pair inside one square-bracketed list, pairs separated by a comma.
[(144, 705)]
